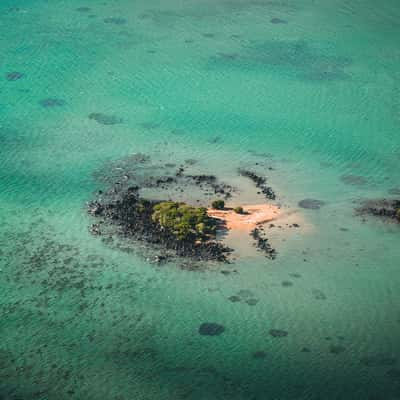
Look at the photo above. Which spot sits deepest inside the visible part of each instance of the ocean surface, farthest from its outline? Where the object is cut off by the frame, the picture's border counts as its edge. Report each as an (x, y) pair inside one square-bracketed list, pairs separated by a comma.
[(306, 91)]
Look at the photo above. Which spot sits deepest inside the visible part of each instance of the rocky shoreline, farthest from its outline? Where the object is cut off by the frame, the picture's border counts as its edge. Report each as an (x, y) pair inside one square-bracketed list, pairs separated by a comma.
[(133, 216)]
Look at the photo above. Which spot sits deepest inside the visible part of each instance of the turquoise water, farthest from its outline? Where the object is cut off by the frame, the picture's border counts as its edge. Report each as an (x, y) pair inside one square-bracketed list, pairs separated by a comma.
[(309, 88)]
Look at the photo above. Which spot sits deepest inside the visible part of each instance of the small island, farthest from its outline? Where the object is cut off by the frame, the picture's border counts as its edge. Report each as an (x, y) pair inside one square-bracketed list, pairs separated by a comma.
[(171, 214)]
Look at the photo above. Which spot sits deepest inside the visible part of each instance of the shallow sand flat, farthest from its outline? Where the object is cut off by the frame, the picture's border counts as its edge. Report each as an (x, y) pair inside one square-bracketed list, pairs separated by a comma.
[(253, 215)]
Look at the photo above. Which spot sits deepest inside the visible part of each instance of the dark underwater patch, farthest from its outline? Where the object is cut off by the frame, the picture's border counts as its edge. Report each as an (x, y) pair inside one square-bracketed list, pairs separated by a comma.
[(83, 9), (394, 374), (105, 119), (278, 333), (298, 58), (252, 302), (52, 102), (278, 21), (318, 294), (311, 204), (234, 299), (394, 191), (336, 349), (211, 329), (378, 360), (355, 180), (115, 20), (259, 355), (14, 76)]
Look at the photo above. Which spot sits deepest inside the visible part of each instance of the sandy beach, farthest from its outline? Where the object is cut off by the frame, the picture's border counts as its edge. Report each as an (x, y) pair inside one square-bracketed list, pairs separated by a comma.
[(253, 216)]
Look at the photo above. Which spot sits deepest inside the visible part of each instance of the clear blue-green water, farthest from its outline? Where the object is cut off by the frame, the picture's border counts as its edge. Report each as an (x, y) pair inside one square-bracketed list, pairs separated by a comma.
[(310, 87)]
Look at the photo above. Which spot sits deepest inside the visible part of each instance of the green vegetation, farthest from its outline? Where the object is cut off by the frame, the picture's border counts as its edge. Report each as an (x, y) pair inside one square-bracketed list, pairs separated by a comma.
[(238, 210), (184, 221), (218, 204), (398, 214)]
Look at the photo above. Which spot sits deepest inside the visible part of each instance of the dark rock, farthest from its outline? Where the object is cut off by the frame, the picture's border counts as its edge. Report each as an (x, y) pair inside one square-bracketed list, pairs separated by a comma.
[(311, 204), (287, 283), (211, 329), (234, 299), (278, 333)]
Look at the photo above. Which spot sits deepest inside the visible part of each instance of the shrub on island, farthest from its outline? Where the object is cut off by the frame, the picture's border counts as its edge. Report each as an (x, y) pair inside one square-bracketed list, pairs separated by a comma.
[(238, 210), (185, 222), (398, 214), (218, 204)]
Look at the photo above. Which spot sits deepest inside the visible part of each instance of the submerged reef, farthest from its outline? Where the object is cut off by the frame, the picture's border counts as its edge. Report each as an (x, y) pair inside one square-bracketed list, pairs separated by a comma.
[(262, 244), (388, 210), (260, 182)]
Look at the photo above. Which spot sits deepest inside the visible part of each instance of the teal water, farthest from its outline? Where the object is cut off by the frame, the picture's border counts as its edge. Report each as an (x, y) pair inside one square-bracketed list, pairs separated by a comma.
[(315, 96)]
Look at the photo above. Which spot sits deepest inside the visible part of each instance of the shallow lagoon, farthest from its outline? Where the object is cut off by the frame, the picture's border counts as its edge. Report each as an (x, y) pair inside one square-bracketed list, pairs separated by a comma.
[(316, 99)]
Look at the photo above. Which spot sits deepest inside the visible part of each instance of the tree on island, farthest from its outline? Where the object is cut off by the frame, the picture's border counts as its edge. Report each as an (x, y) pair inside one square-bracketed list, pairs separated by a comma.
[(184, 221), (218, 204)]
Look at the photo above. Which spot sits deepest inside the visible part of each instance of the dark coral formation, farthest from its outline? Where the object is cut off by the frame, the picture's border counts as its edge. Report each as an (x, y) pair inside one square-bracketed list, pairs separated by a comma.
[(262, 244), (260, 182), (384, 208)]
